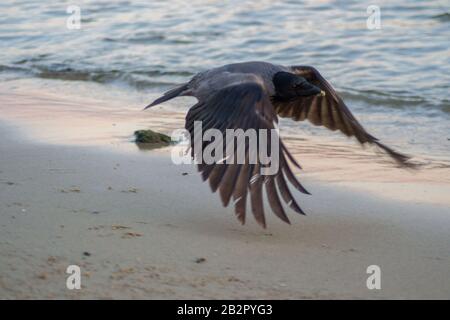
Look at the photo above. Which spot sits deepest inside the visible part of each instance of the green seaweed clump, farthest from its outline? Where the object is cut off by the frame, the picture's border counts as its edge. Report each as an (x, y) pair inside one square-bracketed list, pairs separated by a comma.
[(152, 137)]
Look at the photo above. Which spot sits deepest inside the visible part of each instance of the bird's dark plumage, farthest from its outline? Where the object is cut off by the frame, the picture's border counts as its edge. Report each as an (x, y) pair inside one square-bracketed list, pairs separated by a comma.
[(251, 95), (330, 111), (242, 106)]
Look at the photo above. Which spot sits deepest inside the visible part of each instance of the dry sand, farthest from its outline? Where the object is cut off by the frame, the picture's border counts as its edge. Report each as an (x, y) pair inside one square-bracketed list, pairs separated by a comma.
[(140, 228)]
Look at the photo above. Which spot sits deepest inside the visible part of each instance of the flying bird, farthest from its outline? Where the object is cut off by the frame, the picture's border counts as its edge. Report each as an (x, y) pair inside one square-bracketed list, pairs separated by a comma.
[(252, 95)]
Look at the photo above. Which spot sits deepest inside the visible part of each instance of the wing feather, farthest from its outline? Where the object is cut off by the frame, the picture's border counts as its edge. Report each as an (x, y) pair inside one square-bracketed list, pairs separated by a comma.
[(331, 112), (243, 106)]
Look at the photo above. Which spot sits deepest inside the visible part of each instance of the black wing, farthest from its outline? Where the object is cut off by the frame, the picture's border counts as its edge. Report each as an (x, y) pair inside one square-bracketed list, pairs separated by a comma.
[(330, 111), (243, 106)]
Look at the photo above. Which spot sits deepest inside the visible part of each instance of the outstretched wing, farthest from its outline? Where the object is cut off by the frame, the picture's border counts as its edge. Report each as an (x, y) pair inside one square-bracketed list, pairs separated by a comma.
[(330, 111), (242, 106)]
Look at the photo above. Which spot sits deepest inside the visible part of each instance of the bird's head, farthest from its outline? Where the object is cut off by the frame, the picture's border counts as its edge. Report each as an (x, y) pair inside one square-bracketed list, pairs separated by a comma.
[(289, 86)]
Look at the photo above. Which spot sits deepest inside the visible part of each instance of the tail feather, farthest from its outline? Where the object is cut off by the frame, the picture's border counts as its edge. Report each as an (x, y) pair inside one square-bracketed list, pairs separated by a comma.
[(168, 95), (401, 159)]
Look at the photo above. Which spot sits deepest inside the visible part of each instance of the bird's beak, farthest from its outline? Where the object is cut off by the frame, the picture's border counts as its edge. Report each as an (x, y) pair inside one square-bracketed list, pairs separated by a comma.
[(308, 89), (149, 106)]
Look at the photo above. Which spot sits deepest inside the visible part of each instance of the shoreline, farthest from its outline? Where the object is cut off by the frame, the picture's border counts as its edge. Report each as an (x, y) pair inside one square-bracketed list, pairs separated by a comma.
[(138, 227), (43, 117)]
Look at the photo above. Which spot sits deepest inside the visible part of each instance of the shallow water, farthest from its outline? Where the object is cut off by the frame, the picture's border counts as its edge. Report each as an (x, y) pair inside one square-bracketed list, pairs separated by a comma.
[(396, 79)]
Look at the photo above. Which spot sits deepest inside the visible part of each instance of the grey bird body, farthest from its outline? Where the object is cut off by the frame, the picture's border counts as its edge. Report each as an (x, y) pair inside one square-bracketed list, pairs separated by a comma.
[(206, 83), (209, 82), (253, 95)]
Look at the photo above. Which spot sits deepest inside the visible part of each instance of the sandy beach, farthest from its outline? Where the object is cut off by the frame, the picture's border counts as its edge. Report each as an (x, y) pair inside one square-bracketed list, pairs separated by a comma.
[(74, 189)]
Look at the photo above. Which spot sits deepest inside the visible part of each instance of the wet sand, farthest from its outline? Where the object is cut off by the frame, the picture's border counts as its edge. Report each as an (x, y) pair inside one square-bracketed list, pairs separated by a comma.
[(78, 192)]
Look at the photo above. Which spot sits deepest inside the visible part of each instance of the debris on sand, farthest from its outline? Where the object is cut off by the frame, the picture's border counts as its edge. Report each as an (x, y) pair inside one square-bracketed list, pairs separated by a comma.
[(42, 276), (121, 273), (71, 189), (128, 235), (234, 279), (152, 137), (51, 260), (119, 227), (200, 260)]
